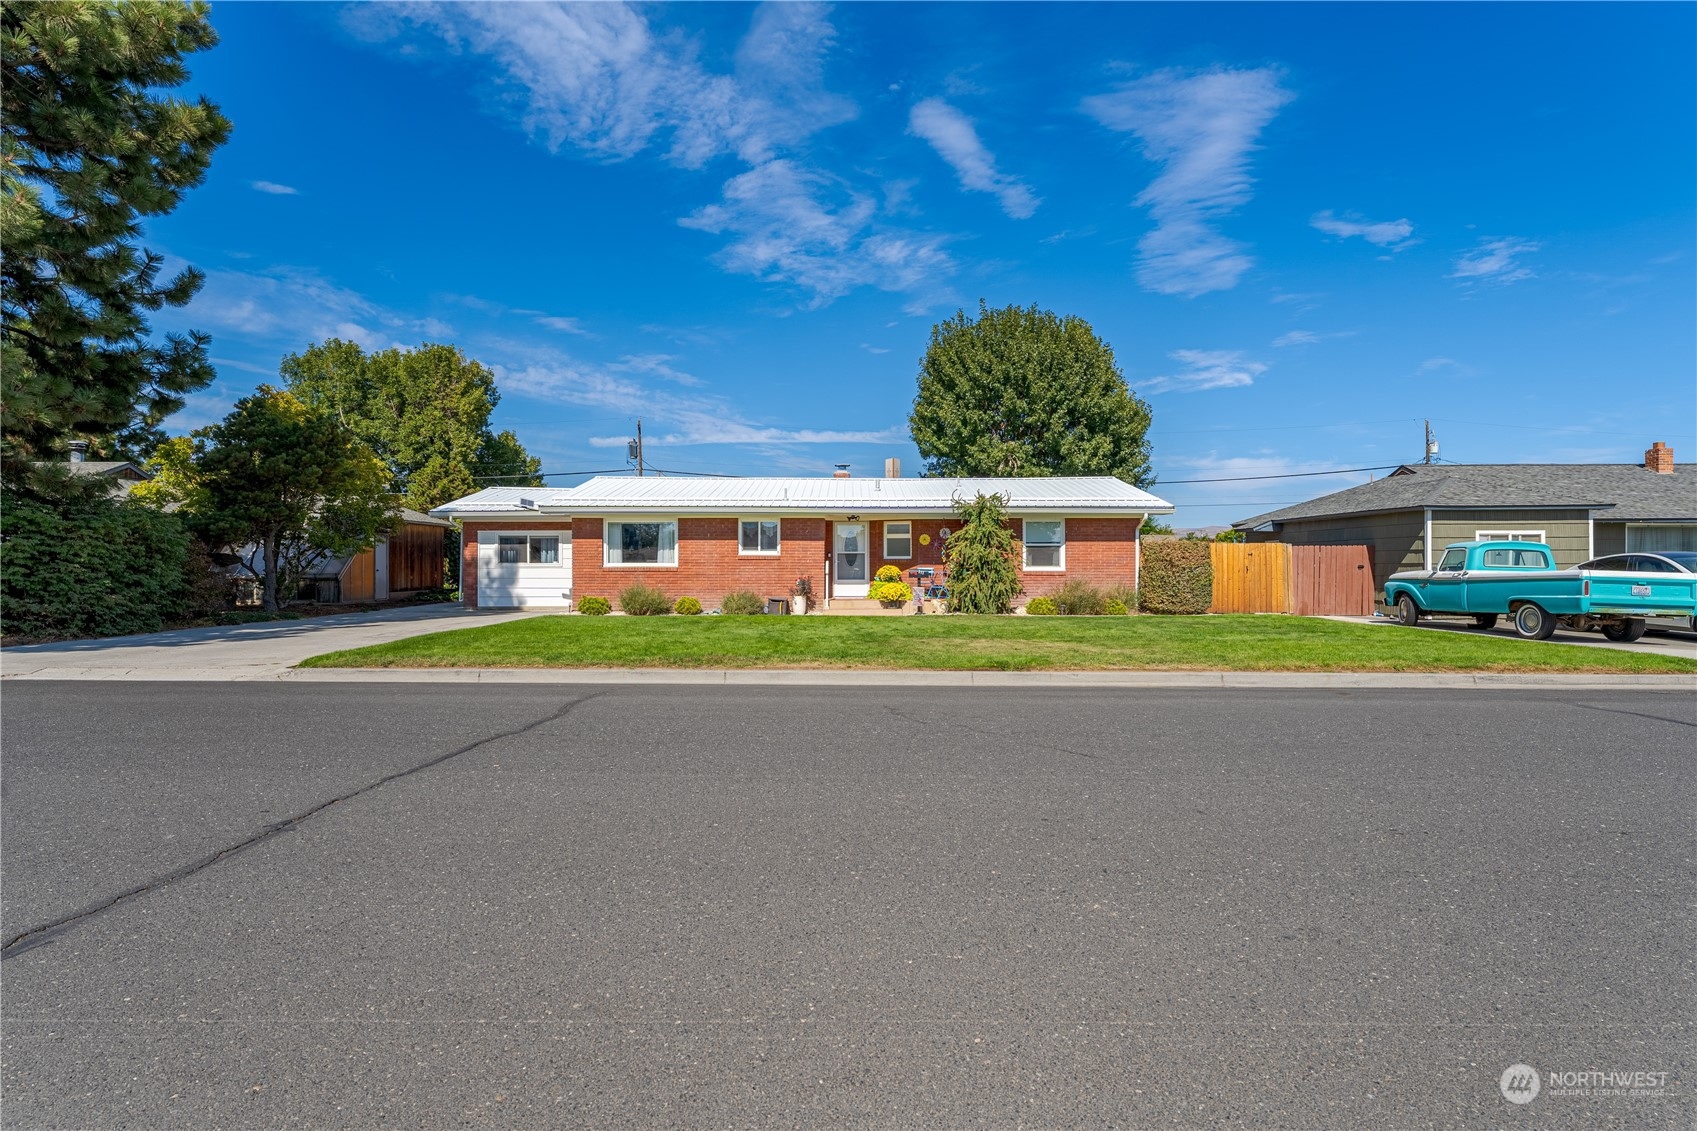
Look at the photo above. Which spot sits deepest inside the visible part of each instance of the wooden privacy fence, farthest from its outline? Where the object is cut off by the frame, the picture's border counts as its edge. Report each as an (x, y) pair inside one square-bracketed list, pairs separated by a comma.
[(1272, 577)]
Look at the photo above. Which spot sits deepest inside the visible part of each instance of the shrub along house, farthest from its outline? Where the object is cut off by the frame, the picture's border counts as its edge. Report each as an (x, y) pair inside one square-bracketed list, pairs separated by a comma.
[(703, 538), (1583, 510)]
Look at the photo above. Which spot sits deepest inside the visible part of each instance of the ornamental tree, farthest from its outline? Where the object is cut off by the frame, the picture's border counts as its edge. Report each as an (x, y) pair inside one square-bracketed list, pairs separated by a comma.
[(1022, 392), (87, 148), (982, 557)]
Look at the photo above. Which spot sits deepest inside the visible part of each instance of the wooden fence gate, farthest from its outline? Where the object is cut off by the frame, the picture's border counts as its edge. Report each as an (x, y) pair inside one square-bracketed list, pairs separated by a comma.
[(1310, 581), (1331, 581)]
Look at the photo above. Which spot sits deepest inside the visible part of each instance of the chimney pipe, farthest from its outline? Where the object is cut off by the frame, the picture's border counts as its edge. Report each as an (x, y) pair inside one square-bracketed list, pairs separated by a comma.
[(1659, 459), (892, 468), (79, 450), (842, 471)]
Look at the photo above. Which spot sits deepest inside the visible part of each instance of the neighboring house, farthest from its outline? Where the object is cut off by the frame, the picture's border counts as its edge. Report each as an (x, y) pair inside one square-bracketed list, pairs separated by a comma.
[(1581, 509), (704, 538), (121, 474), (407, 561)]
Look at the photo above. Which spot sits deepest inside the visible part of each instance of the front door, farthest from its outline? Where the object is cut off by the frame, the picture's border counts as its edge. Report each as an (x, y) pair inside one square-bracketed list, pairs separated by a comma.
[(849, 562)]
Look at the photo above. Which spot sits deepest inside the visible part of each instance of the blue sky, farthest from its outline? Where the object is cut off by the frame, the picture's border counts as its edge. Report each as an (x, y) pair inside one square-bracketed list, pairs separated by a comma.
[(1303, 228)]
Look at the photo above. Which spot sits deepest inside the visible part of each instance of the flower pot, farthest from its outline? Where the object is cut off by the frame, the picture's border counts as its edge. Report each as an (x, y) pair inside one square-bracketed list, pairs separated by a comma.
[(800, 602)]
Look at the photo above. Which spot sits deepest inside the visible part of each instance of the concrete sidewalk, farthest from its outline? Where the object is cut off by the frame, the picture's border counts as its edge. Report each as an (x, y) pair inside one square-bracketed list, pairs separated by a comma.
[(237, 652)]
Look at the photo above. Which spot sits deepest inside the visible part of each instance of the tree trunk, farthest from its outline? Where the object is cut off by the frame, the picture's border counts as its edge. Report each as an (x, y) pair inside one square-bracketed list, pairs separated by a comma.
[(269, 585)]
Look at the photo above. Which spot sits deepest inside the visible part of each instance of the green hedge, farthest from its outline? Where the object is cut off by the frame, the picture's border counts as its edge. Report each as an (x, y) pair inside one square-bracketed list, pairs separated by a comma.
[(1178, 577), (89, 567)]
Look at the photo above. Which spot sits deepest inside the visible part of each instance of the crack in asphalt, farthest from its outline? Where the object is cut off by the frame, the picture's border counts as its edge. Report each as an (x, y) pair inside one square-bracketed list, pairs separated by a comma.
[(1635, 714), (41, 934)]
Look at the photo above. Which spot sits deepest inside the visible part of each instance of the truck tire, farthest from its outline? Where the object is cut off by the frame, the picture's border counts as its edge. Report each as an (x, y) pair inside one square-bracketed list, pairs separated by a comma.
[(1485, 621), (1407, 611), (1533, 623), (1626, 630)]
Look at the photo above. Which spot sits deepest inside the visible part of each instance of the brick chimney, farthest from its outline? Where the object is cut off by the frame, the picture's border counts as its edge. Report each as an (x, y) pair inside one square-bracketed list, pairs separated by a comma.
[(842, 471), (1659, 459)]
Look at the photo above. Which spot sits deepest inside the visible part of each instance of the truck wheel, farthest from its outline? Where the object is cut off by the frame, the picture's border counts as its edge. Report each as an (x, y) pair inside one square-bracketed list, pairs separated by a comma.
[(1407, 611), (1485, 621), (1628, 630), (1533, 623)]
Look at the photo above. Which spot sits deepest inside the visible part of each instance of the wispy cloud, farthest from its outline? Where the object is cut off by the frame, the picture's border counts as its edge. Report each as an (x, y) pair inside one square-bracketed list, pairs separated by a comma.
[(294, 306), (1432, 364), (564, 325), (955, 138), (1201, 128), (1394, 234), (1296, 338), (654, 365), (1206, 369), (874, 349), (603, 81), (275, 189), (1496, 261)]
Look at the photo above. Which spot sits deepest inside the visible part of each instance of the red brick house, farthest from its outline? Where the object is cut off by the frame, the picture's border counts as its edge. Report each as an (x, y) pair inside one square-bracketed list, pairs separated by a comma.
[(703, 538)]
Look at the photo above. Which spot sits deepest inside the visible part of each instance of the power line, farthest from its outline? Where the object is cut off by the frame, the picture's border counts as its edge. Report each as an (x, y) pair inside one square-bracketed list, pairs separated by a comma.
[(1287, 475)]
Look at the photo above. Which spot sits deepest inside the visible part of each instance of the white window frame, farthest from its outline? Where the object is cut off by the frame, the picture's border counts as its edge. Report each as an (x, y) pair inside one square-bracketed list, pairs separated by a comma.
[(892, 557), (1509, 536), (530, 548), (759, 553), (1025, 546), (607, 542)]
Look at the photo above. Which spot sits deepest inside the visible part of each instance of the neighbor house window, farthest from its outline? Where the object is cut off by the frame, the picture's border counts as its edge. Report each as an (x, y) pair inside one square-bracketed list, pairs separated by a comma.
[(757, 536), (1508, 536), (898, 539), (1045, 543), (519, 549), (642, 543), (1660, 539)]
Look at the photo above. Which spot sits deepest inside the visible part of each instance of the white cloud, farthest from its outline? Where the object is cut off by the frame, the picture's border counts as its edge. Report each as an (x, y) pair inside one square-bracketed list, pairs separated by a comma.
[(602, 80), (1394, 234), (655, 365), (294, 307), (1296, 338), (789, 224), (275, 189), (874, 349), (564, 325), (1496, 261), (1206, 369), (1201, 128), (956, 141), (1435, 363)]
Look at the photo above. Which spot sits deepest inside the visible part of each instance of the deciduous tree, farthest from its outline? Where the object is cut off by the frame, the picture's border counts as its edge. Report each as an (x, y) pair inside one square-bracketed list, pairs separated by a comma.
[(1022, 392)]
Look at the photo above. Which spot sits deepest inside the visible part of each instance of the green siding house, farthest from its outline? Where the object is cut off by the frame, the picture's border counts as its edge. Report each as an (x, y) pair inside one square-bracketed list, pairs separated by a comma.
[(1583, 510)]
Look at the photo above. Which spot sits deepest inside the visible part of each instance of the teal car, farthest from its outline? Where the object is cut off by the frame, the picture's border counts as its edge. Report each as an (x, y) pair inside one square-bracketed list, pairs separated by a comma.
[(1488, 580)]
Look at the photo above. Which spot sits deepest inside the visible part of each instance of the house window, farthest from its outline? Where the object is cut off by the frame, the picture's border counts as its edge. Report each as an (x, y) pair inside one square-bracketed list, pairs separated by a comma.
[(1045, 543), (1508, 535), (642, 543), (518, 549), (898, 540), (1660, 539), (757, 536)]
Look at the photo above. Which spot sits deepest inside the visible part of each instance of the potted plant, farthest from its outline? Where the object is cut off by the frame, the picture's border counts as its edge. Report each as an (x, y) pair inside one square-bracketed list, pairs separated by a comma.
[(801, 594), (888, 588)]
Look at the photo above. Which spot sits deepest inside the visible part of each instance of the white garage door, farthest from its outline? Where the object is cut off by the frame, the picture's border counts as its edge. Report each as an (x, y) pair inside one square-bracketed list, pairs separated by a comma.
[(523, 568)]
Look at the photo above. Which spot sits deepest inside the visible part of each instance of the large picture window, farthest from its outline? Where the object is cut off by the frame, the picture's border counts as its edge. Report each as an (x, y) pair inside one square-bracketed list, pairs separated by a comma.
[(898, 540), (757, 536), (1045, 543), (642, 543)]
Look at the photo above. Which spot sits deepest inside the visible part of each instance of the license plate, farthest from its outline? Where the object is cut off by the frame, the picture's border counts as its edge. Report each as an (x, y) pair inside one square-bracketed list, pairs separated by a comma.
[(1640, 590)]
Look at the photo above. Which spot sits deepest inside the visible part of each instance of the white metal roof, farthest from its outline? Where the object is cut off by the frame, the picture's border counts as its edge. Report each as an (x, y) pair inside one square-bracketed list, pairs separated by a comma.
[(673, 495)]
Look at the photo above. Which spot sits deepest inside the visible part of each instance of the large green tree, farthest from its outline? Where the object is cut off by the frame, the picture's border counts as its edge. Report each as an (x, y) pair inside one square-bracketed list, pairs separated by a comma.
[(88, 147), (1021, 392), (425, 412), (288, 480)]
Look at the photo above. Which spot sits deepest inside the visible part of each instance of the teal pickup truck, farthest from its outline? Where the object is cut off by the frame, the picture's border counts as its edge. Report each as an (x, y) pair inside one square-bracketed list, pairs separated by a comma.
[(1486, 580)]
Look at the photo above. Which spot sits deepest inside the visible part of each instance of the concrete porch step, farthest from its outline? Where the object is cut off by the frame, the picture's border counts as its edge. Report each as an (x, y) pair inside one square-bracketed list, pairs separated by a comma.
[(864, 607)]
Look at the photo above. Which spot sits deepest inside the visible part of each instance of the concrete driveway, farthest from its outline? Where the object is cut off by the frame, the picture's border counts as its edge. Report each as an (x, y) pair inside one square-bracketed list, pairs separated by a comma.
[(248, 651)]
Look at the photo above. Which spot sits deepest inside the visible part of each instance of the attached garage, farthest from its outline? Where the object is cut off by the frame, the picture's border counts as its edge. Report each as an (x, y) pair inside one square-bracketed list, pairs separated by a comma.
[(521, 568)]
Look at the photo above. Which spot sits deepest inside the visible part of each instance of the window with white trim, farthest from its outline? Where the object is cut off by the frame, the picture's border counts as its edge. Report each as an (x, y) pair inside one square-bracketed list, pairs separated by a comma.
[(518, 549), (646, 542), (757, 536), (898, 540), (1508, 535), (1045, 543)]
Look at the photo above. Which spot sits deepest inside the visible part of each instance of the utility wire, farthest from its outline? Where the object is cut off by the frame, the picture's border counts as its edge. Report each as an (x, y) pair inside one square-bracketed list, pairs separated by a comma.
[(1287, 475)]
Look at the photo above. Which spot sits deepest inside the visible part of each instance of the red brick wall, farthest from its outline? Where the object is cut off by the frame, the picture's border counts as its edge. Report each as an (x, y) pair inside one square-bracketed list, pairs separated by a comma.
[(708, 563), (468, 548), (1099, 550)]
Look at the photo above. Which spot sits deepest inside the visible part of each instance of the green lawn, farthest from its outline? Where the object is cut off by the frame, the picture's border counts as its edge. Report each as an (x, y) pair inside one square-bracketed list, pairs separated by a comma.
[(1218, 643)]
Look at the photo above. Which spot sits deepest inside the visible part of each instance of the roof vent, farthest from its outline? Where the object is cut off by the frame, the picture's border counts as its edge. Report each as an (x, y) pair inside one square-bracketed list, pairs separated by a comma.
[(842, 471), (79, 451), (528, 504), (1659, 459)]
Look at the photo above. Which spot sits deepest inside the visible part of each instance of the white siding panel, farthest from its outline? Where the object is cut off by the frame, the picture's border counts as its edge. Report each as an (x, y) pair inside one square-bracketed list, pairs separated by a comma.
[(524, 585)]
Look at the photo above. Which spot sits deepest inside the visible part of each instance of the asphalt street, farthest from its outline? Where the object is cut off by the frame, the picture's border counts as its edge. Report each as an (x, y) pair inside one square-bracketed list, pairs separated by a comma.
[(259, 905)]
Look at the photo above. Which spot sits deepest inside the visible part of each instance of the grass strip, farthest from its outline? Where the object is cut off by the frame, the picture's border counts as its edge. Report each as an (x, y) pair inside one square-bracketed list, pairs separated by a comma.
[(963, 643)]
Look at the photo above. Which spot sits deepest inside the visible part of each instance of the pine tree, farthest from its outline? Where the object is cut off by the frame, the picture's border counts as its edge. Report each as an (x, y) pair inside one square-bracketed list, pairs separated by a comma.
[(983, 576), (89, 148)]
